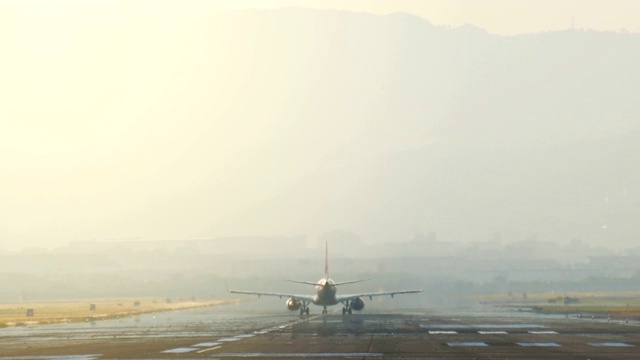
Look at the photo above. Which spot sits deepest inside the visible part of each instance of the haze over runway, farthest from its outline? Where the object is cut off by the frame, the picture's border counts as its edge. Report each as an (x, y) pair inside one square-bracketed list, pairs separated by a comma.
[(486, 152), (173, 120)]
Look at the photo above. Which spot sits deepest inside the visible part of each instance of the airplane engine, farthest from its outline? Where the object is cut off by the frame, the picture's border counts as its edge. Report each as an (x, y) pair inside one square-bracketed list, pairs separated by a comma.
[(293, 304), (357, 304)]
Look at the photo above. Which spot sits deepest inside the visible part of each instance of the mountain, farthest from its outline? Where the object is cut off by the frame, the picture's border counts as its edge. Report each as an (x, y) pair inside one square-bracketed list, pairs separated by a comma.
[(299, 121), (389, 125)]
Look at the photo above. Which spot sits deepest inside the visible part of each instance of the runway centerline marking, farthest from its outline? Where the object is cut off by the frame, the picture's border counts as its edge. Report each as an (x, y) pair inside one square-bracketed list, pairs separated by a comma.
[(442, 332)]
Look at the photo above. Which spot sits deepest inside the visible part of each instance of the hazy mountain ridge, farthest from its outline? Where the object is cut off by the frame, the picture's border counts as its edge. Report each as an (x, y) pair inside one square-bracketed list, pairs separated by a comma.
[(298, 121), (389, 125)]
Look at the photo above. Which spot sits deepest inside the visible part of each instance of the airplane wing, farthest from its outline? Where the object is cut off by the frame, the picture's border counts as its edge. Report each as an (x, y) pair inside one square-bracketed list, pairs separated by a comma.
[(306, 298), (334, 284), (343, 298)]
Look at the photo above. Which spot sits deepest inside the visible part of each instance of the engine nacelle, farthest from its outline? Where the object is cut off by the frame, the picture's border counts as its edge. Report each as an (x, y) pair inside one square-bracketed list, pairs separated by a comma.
[(357, 304), (293, 304)]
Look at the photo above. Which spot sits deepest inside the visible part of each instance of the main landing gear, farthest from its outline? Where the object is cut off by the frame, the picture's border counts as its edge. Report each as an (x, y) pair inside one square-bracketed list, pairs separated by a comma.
[(304, 309), (325, 312), (346, 309)]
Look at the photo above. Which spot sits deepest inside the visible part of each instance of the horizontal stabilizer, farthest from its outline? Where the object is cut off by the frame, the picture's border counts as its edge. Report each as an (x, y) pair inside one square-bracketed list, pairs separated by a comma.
[(303, 282), (350, 282)]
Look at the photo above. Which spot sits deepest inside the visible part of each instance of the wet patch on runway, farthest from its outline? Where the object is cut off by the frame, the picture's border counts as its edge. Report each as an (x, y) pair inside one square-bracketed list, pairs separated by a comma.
[(612, 344), (181, 350), (470, 343), (230, 339), (207, 344), (538, 344), (301, 355)]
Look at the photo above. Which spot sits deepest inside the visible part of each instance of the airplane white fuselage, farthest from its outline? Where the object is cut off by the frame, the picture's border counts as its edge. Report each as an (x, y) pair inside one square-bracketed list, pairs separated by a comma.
[(325, 293)]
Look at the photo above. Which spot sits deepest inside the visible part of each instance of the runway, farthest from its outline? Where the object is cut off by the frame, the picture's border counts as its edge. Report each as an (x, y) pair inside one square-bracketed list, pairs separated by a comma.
[(231, 331)]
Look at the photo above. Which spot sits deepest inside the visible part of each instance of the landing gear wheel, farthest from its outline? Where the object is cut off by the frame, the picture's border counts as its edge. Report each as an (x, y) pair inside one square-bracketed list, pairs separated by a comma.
[(349, 311), (344, 311), (306, 311)]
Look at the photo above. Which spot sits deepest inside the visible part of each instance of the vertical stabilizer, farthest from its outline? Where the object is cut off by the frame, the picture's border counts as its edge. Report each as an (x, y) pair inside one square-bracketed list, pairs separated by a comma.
[(326, 260)]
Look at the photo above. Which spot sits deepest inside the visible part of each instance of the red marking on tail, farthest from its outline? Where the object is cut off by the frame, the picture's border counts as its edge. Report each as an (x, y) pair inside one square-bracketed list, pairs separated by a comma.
[(326, 260)]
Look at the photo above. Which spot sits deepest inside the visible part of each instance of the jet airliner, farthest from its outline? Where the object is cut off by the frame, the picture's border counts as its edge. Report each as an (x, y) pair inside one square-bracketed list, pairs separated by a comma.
[(326, 290)]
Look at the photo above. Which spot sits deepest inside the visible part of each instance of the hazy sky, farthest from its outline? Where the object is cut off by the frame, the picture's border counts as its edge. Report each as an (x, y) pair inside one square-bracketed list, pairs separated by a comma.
[(82, 90), (496, 16)]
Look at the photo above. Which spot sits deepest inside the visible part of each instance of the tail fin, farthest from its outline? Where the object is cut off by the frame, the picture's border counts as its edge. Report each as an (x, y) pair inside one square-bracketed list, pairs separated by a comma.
[(326, 260)]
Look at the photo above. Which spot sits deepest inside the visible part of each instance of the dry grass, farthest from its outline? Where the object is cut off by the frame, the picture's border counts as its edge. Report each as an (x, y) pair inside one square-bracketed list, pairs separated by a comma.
[(615, 309), (626, 297), (14, 314), (619, 303)]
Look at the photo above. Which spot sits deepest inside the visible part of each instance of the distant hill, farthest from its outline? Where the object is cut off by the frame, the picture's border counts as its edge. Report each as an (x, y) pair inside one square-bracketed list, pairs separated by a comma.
[(339, 126), (388, 125)]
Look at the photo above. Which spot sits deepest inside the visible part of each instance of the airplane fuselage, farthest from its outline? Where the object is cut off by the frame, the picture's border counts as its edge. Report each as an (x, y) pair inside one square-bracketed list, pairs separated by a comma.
[(325, 293)]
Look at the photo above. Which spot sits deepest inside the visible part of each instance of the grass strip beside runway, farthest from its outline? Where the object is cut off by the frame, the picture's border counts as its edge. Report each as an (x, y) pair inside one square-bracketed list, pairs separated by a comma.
[(53, 312)]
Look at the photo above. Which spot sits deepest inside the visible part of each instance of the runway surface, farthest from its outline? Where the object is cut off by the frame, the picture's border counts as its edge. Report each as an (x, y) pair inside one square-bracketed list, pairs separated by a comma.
[(230, 332)]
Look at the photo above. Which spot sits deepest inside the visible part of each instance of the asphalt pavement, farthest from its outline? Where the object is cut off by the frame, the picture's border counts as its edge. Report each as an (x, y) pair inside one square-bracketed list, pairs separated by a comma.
[(233, 331)]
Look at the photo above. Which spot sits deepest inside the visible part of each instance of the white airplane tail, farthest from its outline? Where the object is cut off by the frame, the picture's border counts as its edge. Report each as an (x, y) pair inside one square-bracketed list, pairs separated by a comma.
[(326, 272)]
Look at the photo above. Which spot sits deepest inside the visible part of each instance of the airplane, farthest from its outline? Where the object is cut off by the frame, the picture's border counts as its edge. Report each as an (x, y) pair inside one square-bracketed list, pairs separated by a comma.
[(326, 290)]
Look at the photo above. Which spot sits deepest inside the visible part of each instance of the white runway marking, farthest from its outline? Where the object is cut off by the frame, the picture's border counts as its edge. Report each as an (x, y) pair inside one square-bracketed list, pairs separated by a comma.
[(543, 332), (302, 355), (492, 332), (178, 350), (230, 339), (208, 344), (481, 326), (476, 343), (443, 332), (54, 357), (543, 344), (209, 349), (614, 344)]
